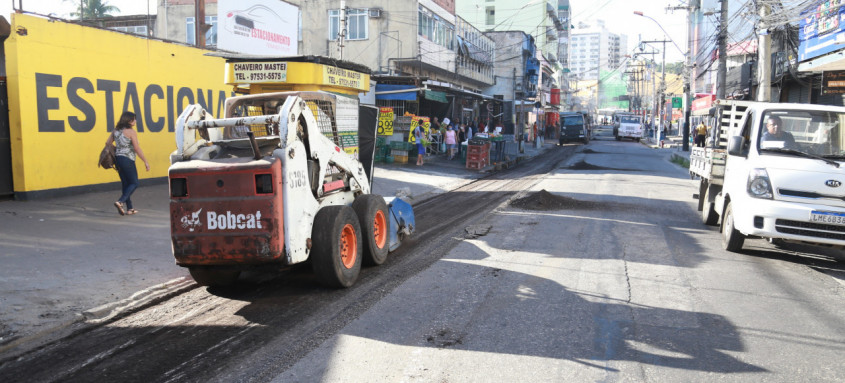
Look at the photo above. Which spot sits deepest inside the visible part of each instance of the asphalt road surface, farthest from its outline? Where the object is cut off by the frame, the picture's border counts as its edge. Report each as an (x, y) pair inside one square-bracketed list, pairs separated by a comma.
[(588, 263)]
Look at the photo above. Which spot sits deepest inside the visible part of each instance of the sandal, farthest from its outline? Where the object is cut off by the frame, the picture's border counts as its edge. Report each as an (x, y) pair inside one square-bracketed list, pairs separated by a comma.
[(120, 208), (131, 211)]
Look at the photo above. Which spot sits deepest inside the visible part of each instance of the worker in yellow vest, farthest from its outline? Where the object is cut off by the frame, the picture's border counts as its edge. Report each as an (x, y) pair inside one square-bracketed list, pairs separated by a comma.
[(700, 134)]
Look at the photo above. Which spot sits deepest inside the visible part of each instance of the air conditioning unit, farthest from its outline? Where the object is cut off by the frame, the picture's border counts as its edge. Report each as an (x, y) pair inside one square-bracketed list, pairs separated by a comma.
[(375, 13)]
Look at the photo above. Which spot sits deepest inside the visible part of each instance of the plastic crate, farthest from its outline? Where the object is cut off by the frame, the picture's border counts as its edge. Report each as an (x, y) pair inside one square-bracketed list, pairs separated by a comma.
[(478, 157), (381, 141), (400, 159), (400, 145), (398, 152), (476, 165), (388, 159)]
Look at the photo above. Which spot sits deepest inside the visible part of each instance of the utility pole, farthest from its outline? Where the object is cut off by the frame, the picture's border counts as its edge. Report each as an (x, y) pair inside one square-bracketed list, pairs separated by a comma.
[(341, 33), (764, 43), (661, 107), (199, 23), (721, 79), (515, 116), (694, 5)]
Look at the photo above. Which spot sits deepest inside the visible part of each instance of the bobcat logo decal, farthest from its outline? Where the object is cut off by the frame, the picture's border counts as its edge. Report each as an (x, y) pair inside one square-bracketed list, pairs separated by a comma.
[(193, 222)]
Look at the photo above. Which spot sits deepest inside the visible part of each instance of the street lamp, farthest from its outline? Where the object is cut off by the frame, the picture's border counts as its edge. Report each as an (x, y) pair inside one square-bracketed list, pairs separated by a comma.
[(638, 13), (683, 126)]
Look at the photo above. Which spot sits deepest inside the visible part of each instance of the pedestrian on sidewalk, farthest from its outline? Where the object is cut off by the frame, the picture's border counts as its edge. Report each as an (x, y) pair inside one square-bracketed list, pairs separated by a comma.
[(127, 147), (462, 137), (700, 134), (418, 138), (451, 139)]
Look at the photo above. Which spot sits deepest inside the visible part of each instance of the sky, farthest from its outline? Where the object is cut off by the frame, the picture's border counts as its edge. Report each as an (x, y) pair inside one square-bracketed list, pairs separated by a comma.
[(618, 16), (62, 8)]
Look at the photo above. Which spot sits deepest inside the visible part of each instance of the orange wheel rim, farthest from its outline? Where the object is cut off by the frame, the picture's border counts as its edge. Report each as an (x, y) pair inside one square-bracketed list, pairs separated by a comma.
[(348, 246), (380, 229)]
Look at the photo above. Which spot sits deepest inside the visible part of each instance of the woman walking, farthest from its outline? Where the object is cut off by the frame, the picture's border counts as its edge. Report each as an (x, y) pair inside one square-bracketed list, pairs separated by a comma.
[(419, 134), (451, 140), (126, 148)]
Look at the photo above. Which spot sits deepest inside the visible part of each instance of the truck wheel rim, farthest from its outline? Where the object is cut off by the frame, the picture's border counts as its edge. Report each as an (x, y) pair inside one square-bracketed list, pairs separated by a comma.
[(348, 246), (380, 229)]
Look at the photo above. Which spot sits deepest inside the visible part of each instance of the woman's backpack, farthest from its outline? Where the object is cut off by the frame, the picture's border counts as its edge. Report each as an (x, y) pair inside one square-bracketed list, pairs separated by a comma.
[(107, 157)]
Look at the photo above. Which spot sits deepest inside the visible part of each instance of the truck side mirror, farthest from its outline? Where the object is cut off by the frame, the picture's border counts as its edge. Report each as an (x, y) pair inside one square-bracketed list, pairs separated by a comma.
[(735, 145)]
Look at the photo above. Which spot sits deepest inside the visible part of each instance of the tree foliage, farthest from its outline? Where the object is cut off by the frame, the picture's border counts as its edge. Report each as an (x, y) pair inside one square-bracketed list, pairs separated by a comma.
[(92, 9), (674, 68)]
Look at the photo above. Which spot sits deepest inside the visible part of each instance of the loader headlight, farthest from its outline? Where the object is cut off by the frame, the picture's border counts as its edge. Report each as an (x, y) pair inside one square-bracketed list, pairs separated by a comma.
[(759, 185)]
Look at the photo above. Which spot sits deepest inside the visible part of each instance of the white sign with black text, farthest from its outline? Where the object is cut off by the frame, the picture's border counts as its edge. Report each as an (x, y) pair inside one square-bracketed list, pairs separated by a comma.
[(258, 27)]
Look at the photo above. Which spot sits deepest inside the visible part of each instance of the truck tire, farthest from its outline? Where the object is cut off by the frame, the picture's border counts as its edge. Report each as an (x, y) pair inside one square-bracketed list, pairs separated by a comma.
[(732, 239), (336, 249), (214, 277), (373, 217), (708, 209)]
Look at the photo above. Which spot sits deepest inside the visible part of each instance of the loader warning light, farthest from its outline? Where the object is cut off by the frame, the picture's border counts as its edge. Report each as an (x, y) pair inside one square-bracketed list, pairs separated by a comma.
[(178, 187), (263, 184)]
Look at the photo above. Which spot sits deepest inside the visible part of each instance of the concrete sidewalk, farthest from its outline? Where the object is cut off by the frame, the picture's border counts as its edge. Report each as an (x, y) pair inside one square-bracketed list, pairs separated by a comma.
[(73, 262)]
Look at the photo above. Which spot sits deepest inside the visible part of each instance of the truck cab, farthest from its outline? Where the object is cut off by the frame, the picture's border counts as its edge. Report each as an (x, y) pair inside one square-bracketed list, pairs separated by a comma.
[(573, 127), (627, 125), (783, 176)]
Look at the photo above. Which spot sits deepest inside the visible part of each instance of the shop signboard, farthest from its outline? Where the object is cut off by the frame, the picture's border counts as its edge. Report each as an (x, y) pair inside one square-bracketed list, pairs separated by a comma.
[(258, 27), (833, 82), (821, 30), (385, 121)]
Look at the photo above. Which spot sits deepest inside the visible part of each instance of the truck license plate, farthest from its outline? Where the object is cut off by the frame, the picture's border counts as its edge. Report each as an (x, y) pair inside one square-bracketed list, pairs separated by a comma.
[(830, 217)]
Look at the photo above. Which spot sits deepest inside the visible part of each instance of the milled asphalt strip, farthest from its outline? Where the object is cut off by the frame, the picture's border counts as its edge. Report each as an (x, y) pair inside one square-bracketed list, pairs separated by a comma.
[(91, 318), (97, 316), (108, 312)]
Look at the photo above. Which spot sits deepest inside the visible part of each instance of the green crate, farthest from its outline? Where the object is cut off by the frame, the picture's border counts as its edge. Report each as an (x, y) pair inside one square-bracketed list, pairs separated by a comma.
[(400, 145), (381, 141)]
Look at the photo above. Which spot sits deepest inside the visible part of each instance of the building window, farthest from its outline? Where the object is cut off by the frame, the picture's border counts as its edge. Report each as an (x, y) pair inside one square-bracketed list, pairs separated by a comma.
[(357, 23), (491, 15), (210, 35), (435, 29), (136, 29)]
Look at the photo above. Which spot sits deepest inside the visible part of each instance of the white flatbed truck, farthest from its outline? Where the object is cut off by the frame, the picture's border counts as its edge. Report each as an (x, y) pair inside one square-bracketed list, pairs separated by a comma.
[(785, 187)]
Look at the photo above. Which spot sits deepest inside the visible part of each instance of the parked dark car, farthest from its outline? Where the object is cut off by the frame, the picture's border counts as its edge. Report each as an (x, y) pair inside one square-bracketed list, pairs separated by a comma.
[(573, 127)]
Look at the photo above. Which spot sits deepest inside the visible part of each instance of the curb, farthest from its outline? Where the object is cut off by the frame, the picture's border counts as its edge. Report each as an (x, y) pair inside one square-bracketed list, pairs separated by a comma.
[(97, 316)]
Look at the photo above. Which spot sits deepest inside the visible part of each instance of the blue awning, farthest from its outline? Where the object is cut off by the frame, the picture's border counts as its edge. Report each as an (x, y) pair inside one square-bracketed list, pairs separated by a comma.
[(409, 95)]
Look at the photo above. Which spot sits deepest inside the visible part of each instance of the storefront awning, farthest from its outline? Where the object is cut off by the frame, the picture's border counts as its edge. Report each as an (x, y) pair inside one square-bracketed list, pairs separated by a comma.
[(395, 92), (434, 95)]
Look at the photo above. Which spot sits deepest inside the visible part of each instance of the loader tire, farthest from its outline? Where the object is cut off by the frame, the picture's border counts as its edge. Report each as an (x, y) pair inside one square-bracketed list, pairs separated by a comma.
[(373, 218), (336, 249), (214, 277)]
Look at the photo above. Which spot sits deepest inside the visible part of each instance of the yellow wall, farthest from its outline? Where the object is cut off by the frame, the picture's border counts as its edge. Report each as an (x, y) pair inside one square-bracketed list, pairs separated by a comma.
[(68, 85)]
